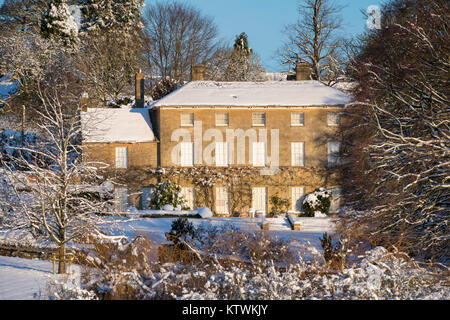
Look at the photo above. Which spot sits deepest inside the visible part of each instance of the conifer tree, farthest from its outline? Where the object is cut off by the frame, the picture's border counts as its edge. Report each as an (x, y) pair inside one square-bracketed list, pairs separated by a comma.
[(118, 15), (58, 23), (242, 64)]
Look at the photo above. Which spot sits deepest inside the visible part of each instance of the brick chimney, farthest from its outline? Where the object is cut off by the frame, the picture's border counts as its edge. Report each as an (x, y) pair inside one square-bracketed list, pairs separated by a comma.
[(303, 71), (139, 90), (198, 72)]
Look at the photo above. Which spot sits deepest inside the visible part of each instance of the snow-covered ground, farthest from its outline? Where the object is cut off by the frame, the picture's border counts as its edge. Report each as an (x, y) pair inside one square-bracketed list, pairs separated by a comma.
[(311, 228), (25, 279)]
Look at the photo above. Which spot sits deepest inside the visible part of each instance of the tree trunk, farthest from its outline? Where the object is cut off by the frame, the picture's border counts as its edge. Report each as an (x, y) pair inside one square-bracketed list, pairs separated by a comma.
[(62, 256)]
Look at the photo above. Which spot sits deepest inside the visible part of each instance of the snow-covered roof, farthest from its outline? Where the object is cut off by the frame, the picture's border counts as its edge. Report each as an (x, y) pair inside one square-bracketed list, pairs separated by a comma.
[(268, 93), (117, 125)]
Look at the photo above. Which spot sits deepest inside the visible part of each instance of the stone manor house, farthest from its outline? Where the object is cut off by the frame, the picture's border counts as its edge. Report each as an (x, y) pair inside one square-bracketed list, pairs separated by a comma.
[(230, 145)]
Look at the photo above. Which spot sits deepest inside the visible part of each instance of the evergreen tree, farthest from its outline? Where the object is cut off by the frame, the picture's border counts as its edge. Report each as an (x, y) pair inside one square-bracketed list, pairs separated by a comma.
[(241, 45), (243, 64), (58, 23), (118, 15)]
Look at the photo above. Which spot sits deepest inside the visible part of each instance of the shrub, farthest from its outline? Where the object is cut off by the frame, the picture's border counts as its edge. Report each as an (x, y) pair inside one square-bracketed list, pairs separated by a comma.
[(317, 201), (181, 229), (168, 193), (279, 205)]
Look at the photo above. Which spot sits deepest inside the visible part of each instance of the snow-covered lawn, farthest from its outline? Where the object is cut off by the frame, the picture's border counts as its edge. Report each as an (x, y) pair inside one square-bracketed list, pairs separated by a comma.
[(311, 228), (24, 279)]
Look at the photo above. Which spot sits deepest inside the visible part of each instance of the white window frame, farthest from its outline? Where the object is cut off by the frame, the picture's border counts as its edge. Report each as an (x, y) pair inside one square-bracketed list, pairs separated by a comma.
[(222, 200), (301, 119), (146, 197), (298, 154), (333, 119), (334, 148), (259, 154), (297, 196), (121, 157), (256, 193), (336, 199), (222, 154), (189, 195), (187, 154), (222, 119), (259, 119), (121, 199), (187, 119)]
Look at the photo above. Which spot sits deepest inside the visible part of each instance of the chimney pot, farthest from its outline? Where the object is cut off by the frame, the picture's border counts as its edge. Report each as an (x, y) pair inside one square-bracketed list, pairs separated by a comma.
[(303, 71), (198, 72), (139, 90)]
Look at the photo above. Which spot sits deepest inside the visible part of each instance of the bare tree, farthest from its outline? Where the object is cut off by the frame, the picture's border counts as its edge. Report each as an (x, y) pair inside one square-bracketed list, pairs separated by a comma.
[(62, 202), (399, 130), (314, 39), (108, 63), (178, 36)]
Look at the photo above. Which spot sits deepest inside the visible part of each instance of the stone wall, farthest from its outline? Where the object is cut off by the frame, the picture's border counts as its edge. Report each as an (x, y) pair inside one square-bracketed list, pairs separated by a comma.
[(315, 133), (238, 180), (143, 154)]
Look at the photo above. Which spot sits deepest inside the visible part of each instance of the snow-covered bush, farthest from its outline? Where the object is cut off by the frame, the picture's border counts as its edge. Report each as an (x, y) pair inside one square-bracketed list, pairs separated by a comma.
[(317, 203), (168, 193), (379, 274)]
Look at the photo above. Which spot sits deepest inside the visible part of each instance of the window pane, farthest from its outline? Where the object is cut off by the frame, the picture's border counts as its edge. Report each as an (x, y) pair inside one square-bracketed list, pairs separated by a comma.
[(297, 119), (189, 195), (187, 119), (259, 199), (222, 119), (336, 196), (333, 153), (259, 154), (121, 199), (259, 119), (187, 154), (333, 118), (298, 193), (221, 154), (146, 197), (122, 157), (298, 154), (222, 200)]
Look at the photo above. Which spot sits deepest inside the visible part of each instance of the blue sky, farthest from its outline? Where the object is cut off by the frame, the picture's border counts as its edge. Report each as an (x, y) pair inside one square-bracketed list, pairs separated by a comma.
[(263, 21)]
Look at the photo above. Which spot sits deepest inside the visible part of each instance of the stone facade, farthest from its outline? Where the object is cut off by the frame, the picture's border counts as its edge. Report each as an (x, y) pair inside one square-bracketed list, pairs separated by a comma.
[(141, 154), (238, 179), (315, 132), (239, 185)]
